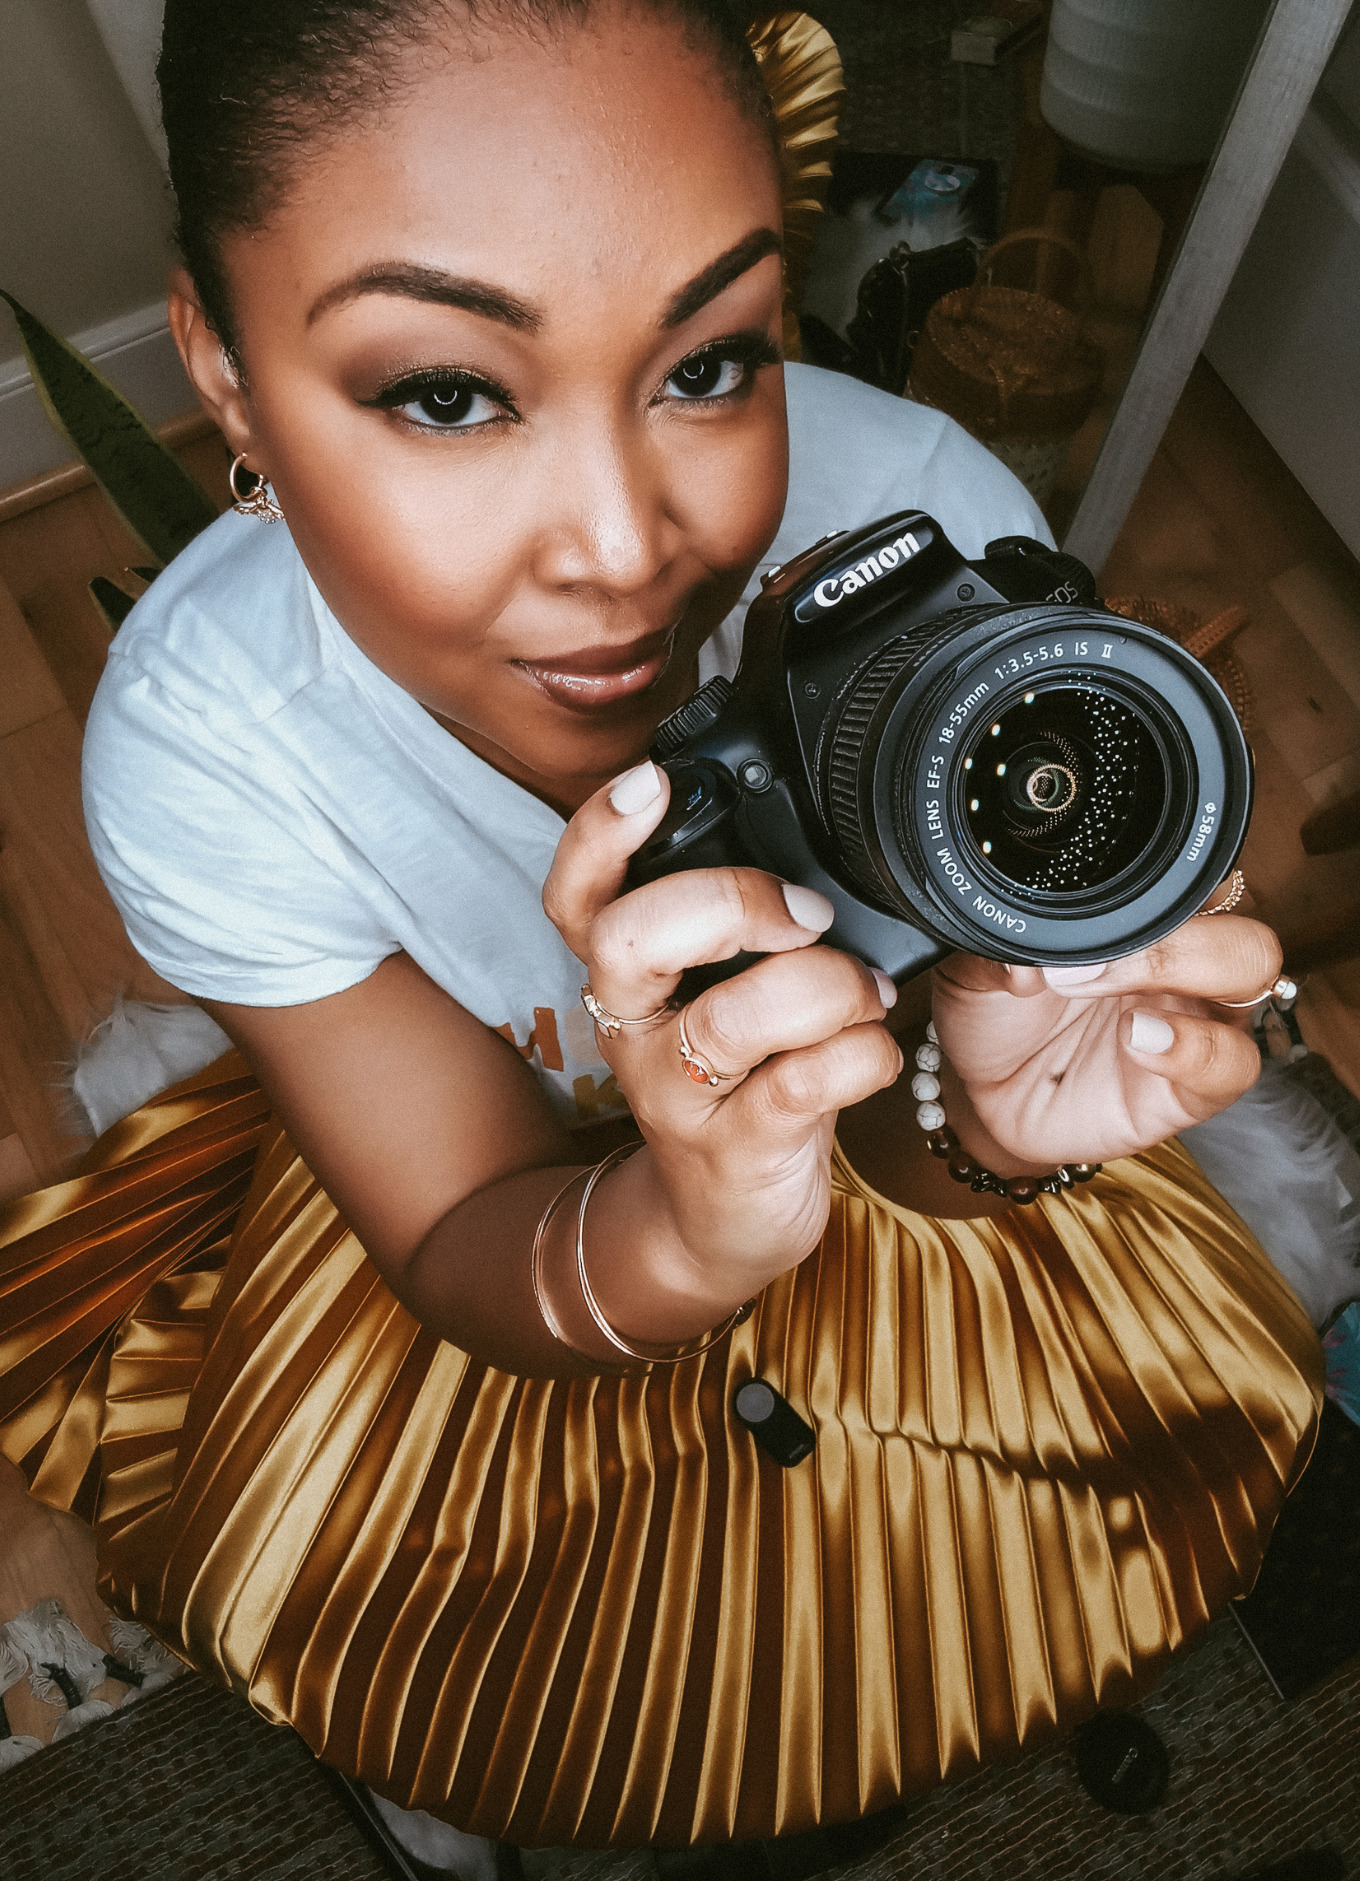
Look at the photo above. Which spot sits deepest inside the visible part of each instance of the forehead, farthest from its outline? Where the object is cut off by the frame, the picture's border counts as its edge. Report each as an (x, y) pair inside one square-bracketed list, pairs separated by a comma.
[(612, 147)]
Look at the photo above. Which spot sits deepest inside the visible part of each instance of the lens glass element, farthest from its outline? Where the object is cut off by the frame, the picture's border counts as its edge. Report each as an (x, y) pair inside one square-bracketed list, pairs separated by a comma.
[(1064, 790)]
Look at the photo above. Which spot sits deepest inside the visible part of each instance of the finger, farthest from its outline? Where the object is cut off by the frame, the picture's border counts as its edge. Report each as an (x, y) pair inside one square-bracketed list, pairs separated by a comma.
[(1208, 1065), (784, 1003), (971, 973), (1228, 958), (785, 1096), (592, 857), (637, 947)]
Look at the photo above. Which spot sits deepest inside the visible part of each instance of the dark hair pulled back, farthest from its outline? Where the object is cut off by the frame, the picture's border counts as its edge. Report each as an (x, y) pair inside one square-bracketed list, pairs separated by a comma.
[(247, 85)]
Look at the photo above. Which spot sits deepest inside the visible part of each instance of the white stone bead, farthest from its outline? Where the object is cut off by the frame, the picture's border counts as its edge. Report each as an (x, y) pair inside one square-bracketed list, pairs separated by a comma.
[(929, 1057), (930, 1116), (931, 1033), (924, 1086)]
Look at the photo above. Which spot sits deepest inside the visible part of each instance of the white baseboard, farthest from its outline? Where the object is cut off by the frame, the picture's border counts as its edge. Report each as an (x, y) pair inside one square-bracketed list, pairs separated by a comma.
[(135, 352)]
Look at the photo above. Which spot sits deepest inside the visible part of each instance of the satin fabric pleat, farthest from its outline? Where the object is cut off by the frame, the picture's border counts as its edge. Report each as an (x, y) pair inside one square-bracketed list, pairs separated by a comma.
[(1050, 1447), (155, 1194)]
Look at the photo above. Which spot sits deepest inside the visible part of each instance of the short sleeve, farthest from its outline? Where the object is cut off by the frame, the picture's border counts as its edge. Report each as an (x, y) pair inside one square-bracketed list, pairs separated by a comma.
[(231, 884), (856, 453)]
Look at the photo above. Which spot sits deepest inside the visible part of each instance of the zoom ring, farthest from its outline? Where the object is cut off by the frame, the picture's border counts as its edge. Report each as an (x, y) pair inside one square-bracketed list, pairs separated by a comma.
[(842, 765)]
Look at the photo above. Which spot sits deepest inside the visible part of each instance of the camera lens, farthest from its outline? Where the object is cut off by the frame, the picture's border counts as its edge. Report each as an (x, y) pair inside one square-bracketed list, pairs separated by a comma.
[(1042, 783), (1064, 790)]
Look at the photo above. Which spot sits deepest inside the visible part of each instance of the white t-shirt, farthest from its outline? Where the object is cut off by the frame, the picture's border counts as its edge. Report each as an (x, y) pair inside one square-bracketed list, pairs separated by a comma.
[(274, 816)]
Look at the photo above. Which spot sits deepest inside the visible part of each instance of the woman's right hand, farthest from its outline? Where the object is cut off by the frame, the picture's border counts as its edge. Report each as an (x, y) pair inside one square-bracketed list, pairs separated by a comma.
[(734, 1186)]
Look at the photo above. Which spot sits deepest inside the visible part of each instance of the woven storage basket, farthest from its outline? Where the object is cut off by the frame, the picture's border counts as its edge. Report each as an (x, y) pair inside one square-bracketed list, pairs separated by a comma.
[(1209, 641), (1011, 365)]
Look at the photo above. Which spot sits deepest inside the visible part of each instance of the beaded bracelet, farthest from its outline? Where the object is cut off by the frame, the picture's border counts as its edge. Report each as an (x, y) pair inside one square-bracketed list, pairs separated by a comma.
[(941, 1140)]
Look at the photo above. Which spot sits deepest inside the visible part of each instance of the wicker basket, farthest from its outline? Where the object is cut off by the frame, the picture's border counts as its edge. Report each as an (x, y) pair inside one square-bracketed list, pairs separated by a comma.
[(1209, 641), (1012, 365)]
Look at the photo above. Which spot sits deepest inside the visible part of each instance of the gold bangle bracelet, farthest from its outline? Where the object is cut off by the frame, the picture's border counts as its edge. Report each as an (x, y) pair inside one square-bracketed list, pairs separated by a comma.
[(545, 1312), (664, 1355)]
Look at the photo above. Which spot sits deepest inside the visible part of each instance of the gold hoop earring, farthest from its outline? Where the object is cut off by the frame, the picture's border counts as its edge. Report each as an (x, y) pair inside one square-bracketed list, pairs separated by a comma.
[(256, 501)]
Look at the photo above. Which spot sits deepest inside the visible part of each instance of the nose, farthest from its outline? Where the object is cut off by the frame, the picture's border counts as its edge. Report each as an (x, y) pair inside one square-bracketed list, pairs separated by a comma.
[(609, 524)]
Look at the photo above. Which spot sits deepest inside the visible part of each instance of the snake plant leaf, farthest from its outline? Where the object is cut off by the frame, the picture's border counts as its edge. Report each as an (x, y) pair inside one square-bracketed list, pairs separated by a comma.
[(113, 603), (157, 499)]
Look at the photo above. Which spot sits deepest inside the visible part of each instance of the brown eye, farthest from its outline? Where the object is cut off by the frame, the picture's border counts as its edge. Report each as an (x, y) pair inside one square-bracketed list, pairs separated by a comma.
[(724, 368), (701, 377), (445, 402)]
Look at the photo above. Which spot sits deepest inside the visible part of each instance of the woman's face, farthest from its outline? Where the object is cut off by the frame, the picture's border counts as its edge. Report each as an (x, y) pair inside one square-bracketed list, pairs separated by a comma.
[(511, 358)]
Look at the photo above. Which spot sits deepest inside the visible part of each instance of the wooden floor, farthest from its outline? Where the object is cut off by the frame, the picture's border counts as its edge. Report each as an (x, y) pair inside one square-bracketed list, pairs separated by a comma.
[(63, 952)]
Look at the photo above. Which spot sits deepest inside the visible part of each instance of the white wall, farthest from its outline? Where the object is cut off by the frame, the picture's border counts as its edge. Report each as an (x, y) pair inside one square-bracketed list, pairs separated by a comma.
[(1287, 336), (84, 222)]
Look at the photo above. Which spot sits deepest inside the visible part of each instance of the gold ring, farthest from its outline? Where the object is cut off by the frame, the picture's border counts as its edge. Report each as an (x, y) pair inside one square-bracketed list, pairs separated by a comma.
[(1284, 988), (1237, 887), (610, 1023), (694, 1065)]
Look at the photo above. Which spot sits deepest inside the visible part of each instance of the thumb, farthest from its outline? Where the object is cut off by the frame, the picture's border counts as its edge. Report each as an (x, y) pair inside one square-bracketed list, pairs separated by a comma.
[(592, 857)]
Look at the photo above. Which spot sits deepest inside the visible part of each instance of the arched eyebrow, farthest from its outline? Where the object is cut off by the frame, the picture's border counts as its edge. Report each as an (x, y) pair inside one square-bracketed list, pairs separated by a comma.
[(412, 281), (710, 281)]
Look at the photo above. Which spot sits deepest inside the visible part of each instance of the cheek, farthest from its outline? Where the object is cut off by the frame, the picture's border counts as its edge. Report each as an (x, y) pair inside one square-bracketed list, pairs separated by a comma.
[(403, 550), (733, 493)]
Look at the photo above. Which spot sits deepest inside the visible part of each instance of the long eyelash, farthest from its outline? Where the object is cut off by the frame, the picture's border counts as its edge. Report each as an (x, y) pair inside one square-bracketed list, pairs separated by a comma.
[(411, 385), (752, 349)]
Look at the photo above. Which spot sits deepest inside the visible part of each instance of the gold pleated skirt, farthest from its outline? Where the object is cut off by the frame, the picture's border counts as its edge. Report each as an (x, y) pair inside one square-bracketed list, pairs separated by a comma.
[(1050, 1448)]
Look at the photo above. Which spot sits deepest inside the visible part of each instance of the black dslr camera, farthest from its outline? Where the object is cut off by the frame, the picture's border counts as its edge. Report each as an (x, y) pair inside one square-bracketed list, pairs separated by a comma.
[(958, 755)]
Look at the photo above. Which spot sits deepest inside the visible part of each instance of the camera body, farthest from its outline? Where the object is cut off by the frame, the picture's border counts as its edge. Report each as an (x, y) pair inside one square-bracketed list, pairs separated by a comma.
[(959, 755)]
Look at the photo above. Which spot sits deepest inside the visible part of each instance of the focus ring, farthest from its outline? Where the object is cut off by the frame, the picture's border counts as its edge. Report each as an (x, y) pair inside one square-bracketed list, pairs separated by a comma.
[(845, 787)]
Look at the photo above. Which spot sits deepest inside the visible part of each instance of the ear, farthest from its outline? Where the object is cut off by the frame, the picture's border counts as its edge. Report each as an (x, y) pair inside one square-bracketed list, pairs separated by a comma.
[(206, 362)]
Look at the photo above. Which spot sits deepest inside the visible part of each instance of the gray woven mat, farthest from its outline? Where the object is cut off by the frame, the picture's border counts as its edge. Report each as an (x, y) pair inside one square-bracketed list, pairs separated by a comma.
[(192, 1786), (188, 1785), (1253, 1780)]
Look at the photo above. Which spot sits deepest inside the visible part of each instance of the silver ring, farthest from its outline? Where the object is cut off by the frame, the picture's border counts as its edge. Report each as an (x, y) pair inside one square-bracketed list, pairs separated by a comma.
[(609, 1022), (695, 1067), (1284, 988)]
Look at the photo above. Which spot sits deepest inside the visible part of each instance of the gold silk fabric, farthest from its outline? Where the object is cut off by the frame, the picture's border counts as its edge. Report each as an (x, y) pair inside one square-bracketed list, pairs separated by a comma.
[(1050, 1447), (802, 71)]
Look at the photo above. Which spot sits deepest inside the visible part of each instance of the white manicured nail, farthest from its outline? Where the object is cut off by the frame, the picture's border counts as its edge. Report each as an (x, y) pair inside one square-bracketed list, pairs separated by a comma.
[(1073, 976), (887, 992), (635, 789), (808, 908), (1150, 1034)]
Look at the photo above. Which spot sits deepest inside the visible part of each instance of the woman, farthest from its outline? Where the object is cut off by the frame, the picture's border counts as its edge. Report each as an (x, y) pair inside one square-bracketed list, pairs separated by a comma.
[(492, 299)]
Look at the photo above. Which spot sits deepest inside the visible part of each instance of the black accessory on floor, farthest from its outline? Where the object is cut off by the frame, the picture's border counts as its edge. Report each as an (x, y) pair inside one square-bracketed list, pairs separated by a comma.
[(1122, 1762), (894, 298), (773, 1422)]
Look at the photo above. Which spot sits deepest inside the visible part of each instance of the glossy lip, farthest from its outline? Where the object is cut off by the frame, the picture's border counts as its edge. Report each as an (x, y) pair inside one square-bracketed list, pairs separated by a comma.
[(593, 677)]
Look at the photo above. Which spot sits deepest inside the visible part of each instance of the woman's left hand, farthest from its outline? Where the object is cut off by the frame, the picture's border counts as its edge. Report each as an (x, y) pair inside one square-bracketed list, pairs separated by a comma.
[(1084, 1064)]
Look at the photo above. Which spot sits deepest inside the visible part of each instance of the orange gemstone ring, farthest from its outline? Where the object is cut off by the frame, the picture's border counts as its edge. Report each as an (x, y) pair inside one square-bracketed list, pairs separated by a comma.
[(694, 1065)]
